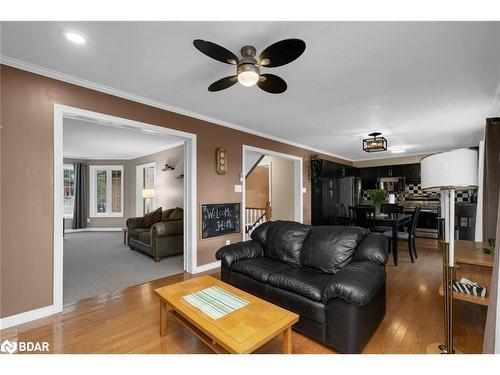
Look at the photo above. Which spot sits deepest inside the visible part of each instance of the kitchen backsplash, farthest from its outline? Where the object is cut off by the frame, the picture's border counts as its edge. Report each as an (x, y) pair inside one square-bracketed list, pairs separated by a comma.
[(414, 191)]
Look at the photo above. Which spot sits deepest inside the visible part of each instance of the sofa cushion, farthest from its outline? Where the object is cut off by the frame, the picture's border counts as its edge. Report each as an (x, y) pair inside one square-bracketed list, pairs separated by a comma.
[(136, 233), (260, 232), (165, 214), (304, 281), (177, 214), (356, 283), (284, 239), (145, 237), (373, 249), (329, 248), (152, 218), (259, 268)]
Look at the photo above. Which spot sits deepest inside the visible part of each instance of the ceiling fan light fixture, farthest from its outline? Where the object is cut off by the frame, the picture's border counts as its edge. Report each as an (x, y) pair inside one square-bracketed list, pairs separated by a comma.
[(248, 74)]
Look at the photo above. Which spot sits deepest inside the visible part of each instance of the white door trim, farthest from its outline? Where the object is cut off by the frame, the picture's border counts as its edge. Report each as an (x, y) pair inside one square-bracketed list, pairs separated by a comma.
[(298, 197), (139, 183), (190, 193)]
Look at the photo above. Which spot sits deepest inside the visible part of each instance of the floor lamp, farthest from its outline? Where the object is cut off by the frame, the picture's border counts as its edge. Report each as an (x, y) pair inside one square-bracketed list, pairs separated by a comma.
[(446, 172)]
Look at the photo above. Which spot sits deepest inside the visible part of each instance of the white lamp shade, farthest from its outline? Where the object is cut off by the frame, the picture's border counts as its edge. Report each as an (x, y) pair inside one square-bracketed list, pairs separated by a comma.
[(148, 193), (455, 169)]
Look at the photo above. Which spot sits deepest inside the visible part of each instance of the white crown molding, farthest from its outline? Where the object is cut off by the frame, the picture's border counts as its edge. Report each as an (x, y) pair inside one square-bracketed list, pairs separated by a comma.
[(28, 316), (19, 64)]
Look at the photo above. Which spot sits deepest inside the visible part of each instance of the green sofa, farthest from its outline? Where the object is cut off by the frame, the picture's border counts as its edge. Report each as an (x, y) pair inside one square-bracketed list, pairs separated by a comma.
[(161, 239)]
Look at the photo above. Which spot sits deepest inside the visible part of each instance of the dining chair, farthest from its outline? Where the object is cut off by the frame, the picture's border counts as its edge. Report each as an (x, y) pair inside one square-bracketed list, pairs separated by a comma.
[(342, 217), (363, 217), (408, 236)]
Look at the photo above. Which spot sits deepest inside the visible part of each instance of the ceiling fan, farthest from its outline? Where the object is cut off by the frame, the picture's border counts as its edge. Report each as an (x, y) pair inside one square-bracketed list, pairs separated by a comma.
[(248, 67)]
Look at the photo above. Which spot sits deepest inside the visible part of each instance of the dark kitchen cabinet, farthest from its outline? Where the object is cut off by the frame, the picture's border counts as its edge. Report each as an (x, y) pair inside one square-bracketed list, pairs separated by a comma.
[(412, 172), (369, 177), (341, 170), (391, 171)]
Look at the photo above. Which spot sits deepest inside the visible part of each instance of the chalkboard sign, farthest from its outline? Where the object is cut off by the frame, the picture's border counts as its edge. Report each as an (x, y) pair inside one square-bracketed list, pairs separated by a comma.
[(219, 219)]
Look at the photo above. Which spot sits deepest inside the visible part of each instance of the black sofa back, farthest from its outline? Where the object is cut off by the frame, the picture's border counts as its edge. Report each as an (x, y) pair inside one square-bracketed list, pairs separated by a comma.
[(323, 248)]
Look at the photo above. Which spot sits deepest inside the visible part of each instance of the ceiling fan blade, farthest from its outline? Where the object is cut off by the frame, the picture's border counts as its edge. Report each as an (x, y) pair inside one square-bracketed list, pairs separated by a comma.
[(272, 84), (282, 52), (223, 83), (215, 51)]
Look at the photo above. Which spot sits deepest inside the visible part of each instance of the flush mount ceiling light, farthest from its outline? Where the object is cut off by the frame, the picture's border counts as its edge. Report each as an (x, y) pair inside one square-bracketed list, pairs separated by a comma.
[(74, 37), (398, 149), (248, 65), (375, 144)]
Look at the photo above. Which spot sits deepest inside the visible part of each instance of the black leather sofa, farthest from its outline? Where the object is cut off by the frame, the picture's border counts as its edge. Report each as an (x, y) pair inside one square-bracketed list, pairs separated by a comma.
[(332, 276)]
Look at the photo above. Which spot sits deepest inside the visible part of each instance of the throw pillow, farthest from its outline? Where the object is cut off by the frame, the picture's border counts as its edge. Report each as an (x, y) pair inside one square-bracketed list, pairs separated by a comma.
[(166, 214), (152, 218), (178, 214)]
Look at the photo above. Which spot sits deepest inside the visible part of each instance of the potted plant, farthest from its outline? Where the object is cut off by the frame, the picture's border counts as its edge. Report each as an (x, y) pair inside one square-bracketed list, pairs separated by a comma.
[(377, 197)]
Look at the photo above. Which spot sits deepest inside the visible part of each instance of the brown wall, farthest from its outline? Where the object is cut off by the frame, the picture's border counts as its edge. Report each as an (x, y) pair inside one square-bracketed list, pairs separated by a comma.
[(257, 187), (27, 104)]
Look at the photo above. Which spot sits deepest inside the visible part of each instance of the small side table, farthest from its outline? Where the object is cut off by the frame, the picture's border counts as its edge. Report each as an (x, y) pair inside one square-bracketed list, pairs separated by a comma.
[(125, 230)]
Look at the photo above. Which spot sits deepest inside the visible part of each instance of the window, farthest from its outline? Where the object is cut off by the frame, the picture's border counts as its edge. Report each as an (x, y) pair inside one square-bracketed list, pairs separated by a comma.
[(69, 190), (106, 190)]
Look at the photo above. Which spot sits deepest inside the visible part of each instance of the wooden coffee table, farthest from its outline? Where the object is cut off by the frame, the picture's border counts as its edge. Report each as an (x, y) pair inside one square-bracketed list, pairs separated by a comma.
[(241, 331)]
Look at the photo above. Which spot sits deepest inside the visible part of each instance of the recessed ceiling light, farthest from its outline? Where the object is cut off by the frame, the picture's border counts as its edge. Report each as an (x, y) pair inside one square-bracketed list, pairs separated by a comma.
[(74, 37), (398, 149)]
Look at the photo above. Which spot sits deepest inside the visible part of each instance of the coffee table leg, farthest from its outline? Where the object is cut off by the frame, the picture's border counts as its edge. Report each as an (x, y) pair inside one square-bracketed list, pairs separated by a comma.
[(287, 341), (163, 318)]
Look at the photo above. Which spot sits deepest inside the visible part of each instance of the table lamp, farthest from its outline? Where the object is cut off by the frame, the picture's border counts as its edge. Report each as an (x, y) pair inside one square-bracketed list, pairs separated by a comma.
[(446, 172)]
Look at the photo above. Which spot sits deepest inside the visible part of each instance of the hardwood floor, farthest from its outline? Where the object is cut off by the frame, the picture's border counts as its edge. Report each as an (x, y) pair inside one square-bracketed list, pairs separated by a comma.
[(128, 321)]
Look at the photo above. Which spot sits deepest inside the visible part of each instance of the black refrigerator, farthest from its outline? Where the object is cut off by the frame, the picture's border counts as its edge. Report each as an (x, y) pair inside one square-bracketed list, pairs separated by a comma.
[(332, 184)]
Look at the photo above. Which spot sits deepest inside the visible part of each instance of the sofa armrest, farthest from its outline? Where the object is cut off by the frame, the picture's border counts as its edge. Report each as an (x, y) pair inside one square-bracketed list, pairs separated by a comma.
[(373, 249), (239, 251), (135, 222), (167, 228), (356, 283)]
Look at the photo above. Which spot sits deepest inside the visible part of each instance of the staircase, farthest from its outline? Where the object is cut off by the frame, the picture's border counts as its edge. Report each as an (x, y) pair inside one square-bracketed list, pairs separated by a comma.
[(254, 216)]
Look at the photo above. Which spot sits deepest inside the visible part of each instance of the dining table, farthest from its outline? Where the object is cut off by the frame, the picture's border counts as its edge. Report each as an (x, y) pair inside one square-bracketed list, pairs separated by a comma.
[(394, 221)]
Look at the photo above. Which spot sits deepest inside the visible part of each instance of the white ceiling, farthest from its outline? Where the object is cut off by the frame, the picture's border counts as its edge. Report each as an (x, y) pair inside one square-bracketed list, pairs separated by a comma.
[(91, 140), (428, 86)]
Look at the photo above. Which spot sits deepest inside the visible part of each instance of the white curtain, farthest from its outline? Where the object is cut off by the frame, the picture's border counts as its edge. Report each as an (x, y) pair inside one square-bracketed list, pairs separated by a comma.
[(479, 209)]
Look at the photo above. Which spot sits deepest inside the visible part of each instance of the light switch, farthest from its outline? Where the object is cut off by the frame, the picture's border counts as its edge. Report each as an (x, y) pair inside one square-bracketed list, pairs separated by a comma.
[(304, 190), (228, 242), (238, 188)]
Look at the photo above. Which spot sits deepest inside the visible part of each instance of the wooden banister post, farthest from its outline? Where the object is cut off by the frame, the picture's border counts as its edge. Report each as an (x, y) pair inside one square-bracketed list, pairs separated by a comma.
[(268, 211)]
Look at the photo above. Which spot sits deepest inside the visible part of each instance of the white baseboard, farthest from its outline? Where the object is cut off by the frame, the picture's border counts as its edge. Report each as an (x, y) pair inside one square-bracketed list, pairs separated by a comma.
[(93, 230), (207, 267), (26, 317)]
